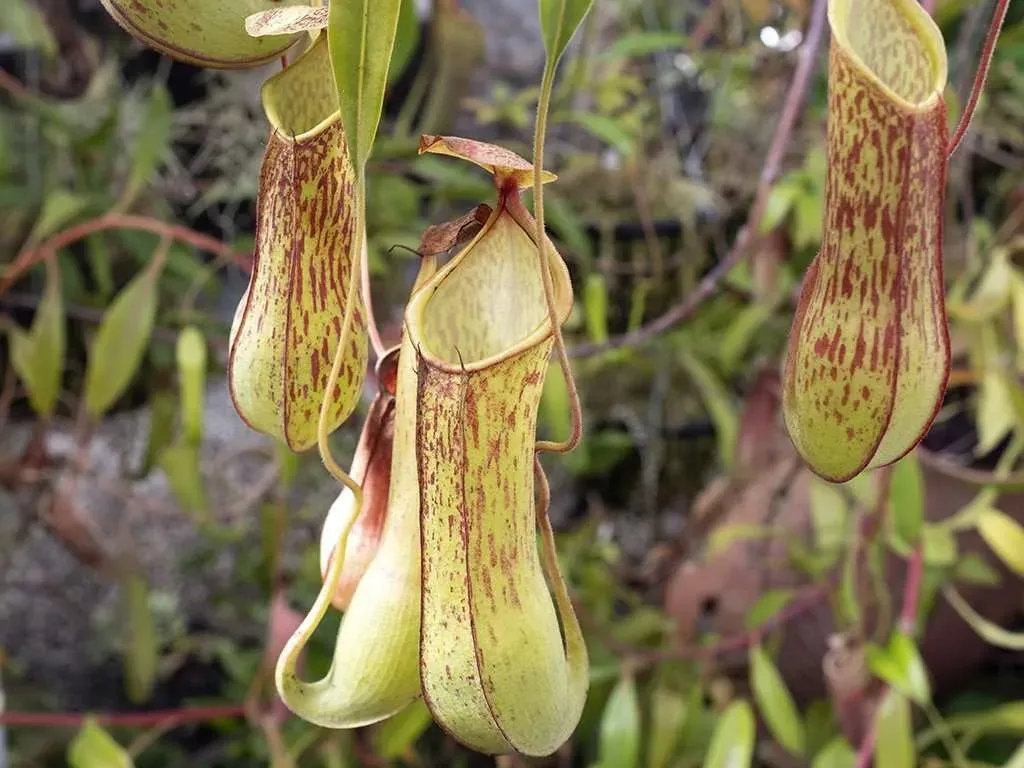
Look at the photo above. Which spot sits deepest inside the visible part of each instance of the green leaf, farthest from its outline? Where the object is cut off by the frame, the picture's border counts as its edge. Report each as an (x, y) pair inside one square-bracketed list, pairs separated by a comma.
[(619, 745), (407, 37), (780, 203), (59, 209), (393, 738), (820, 726), (559, 20), (808, 215), (894, 746), (93, 747), (162, 410), (900, 664), (836, 754), (668, 714), (940, 547), (151, 142), (906, 495), (972, 568), (717, 401), (38, 356), (607, 129), (1004, 536), (991, 633), (121, 342), (180, 462), (141, 653), (732, 745), (775, 702), (996, 416), (644, 44), (595, 306), (1006, 718), (830, 514), (361, 37), (24, 22), (191, 356), (769, 604)]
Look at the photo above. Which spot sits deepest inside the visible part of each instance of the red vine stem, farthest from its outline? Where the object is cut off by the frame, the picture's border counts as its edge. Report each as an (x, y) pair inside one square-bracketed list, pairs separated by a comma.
[(773, 162), (987, 51), (125, 719), (28, 258)]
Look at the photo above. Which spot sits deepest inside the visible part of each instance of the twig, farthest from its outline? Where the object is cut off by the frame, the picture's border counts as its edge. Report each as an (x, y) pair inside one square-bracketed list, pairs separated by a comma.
[(780, 141), (13, 86), (987, 50), (27, 258), (179, 716)]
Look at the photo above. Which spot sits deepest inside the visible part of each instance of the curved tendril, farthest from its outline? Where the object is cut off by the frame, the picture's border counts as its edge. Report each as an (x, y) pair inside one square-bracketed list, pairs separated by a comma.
[(543, 244)]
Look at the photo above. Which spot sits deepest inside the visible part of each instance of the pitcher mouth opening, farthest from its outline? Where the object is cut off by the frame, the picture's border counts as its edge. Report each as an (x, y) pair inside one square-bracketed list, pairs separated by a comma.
[(896, 44), (300, 100), (487, 304)]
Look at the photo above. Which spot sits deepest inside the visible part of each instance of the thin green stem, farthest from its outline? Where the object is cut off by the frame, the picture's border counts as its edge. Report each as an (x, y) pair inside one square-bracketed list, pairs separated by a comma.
[(540, 130)]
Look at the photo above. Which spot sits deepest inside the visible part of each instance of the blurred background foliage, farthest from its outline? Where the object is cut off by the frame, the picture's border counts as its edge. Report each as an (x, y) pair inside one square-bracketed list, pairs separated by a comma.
[(150, 548)]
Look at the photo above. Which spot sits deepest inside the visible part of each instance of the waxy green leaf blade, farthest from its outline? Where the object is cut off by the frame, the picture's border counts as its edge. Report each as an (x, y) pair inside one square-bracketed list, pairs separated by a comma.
[(141, 654), (732, 744), (620, 727), (93, 747), (906, 497), (361, 36), (38, 356), (191, 357), (894, 745), (775, 702), (559, 20)]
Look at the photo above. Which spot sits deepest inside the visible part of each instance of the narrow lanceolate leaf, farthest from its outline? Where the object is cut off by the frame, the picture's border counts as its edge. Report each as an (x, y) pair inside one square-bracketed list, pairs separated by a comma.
[(361, 35), (988, 631), (38, 356), (191, 357), (906, 497), (620, 727), (497, 672), (151, 143), (894, 743), (668, 715), (868, 352), (775, 702), (1004, 536), (121, 341), (207, 33), (287, 20), (732, 744), (93, 747), (559, 20), (288, 324), (141, 653)]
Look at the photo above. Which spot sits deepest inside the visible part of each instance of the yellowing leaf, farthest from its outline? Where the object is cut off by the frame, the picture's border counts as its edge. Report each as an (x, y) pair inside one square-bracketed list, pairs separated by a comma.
[(992, 294), (732, 744), (868, 353), (996, 416), (361, 36), (559, 20), (93, 747), (620, 727), (775, 702), (940, 547), (207, 33), (1004, 536), (38, 356), (286, 20), (894, 745), (121, 341), (191, 356)]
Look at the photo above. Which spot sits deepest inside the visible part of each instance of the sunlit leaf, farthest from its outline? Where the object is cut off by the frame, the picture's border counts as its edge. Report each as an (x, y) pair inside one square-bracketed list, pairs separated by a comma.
[(93, 747), (836, 754), (668, 714), (121, 342), (151, 142), (1004, 536), (940, 547), (992, 294), (906, 497), (191, 356), (38, 356), (995, 411), (559, 20), (901, 666), (894, 744), (620, 727), (769, 604), (361, 36), (607, 129), (775, 702), (732, 745), (972, 568), (780, 203), (396, 735), (141, 653)]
